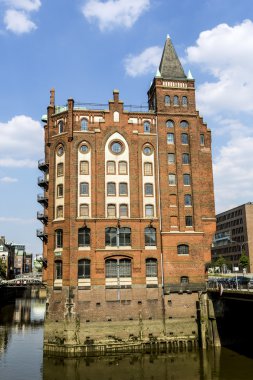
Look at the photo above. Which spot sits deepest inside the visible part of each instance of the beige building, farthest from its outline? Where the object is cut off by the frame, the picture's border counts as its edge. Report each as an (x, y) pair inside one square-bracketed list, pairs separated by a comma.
[(234, 234)]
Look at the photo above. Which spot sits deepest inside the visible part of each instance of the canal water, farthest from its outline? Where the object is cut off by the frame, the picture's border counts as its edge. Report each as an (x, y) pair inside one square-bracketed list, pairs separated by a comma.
[(21, 356)]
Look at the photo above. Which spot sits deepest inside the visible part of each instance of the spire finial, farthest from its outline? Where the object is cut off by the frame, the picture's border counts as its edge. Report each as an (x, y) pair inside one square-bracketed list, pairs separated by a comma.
[(189, 75), (168, 36)]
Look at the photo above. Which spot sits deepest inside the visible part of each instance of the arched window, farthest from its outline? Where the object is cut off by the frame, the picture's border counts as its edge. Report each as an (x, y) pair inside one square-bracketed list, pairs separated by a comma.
[(83, 268), (184, 280), (186, 158), (146, 126), (116, 116), (188, 200), (184, 101), (148, 189), (118, 268), (58, 238), (184, 138), (183, 249), (184, 124), (84, 210), (84, 237), (151, 268), (60, 190), (84, 125), (60, 127), (58, 269), (149, 211), (167, 100), (150, 236), (170, 124), (176, 100), (111, 188)]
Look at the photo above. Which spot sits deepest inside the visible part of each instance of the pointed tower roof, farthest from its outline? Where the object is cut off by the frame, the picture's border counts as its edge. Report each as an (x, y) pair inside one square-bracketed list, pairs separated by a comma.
[(170, 66)]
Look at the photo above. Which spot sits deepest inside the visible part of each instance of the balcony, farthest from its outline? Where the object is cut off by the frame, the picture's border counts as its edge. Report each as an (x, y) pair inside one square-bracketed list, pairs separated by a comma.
[(42, 199), (43, 182), (42, 217), (43, 165), (42, 235)]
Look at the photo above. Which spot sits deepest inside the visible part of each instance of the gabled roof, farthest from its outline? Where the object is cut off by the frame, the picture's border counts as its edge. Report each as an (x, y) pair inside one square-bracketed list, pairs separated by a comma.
[(170, 66)]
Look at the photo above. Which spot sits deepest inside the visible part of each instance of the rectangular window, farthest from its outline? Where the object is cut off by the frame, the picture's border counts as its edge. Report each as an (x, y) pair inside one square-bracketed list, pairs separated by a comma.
[(84, 167), (202, 139), (148, 169), (123, 210), (111, 211), (111, 168), (60, 191), (186, 158), (84, 189), (59, 212), (149, 210), (172, 179), (60, 169), (122, 167), (123, 189), (187, 179), (84, 210), (148, 189), (188, 221), (171, 158), (170, 138), (111, 188)]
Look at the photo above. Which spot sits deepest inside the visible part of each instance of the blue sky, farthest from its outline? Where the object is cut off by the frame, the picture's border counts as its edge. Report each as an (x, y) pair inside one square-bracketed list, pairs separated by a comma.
[(86, 48)]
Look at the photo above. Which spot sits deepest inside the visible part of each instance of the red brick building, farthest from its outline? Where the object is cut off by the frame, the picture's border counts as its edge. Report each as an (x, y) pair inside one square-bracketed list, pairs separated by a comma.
[(128, 206)]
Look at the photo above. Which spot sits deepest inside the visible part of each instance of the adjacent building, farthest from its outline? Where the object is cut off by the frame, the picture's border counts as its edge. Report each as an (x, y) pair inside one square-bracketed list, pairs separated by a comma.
[(7, 258), (234, 235), (128, 210)]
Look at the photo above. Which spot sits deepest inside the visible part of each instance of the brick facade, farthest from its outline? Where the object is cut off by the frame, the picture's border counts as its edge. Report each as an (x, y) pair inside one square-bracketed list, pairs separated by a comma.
[(178, 271)]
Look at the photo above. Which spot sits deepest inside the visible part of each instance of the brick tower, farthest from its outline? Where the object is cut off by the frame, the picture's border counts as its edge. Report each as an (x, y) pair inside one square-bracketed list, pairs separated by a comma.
[(128, 214)]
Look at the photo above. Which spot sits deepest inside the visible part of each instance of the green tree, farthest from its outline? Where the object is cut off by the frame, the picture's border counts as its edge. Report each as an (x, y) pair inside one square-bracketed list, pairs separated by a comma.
[(244, 260), (220, 262), (2, 269)]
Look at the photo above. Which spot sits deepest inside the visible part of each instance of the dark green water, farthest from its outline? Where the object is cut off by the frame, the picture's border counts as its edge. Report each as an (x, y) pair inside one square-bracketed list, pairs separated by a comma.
[(21, 357)]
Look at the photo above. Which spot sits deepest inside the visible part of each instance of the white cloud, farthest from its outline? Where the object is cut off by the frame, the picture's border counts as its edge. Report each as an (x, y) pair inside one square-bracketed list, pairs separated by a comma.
[(224, 52), (144, 63), (18, 22), (17, 15), (21, 142), (8, 180), (26, 5), (233, 173), (114, 13)]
